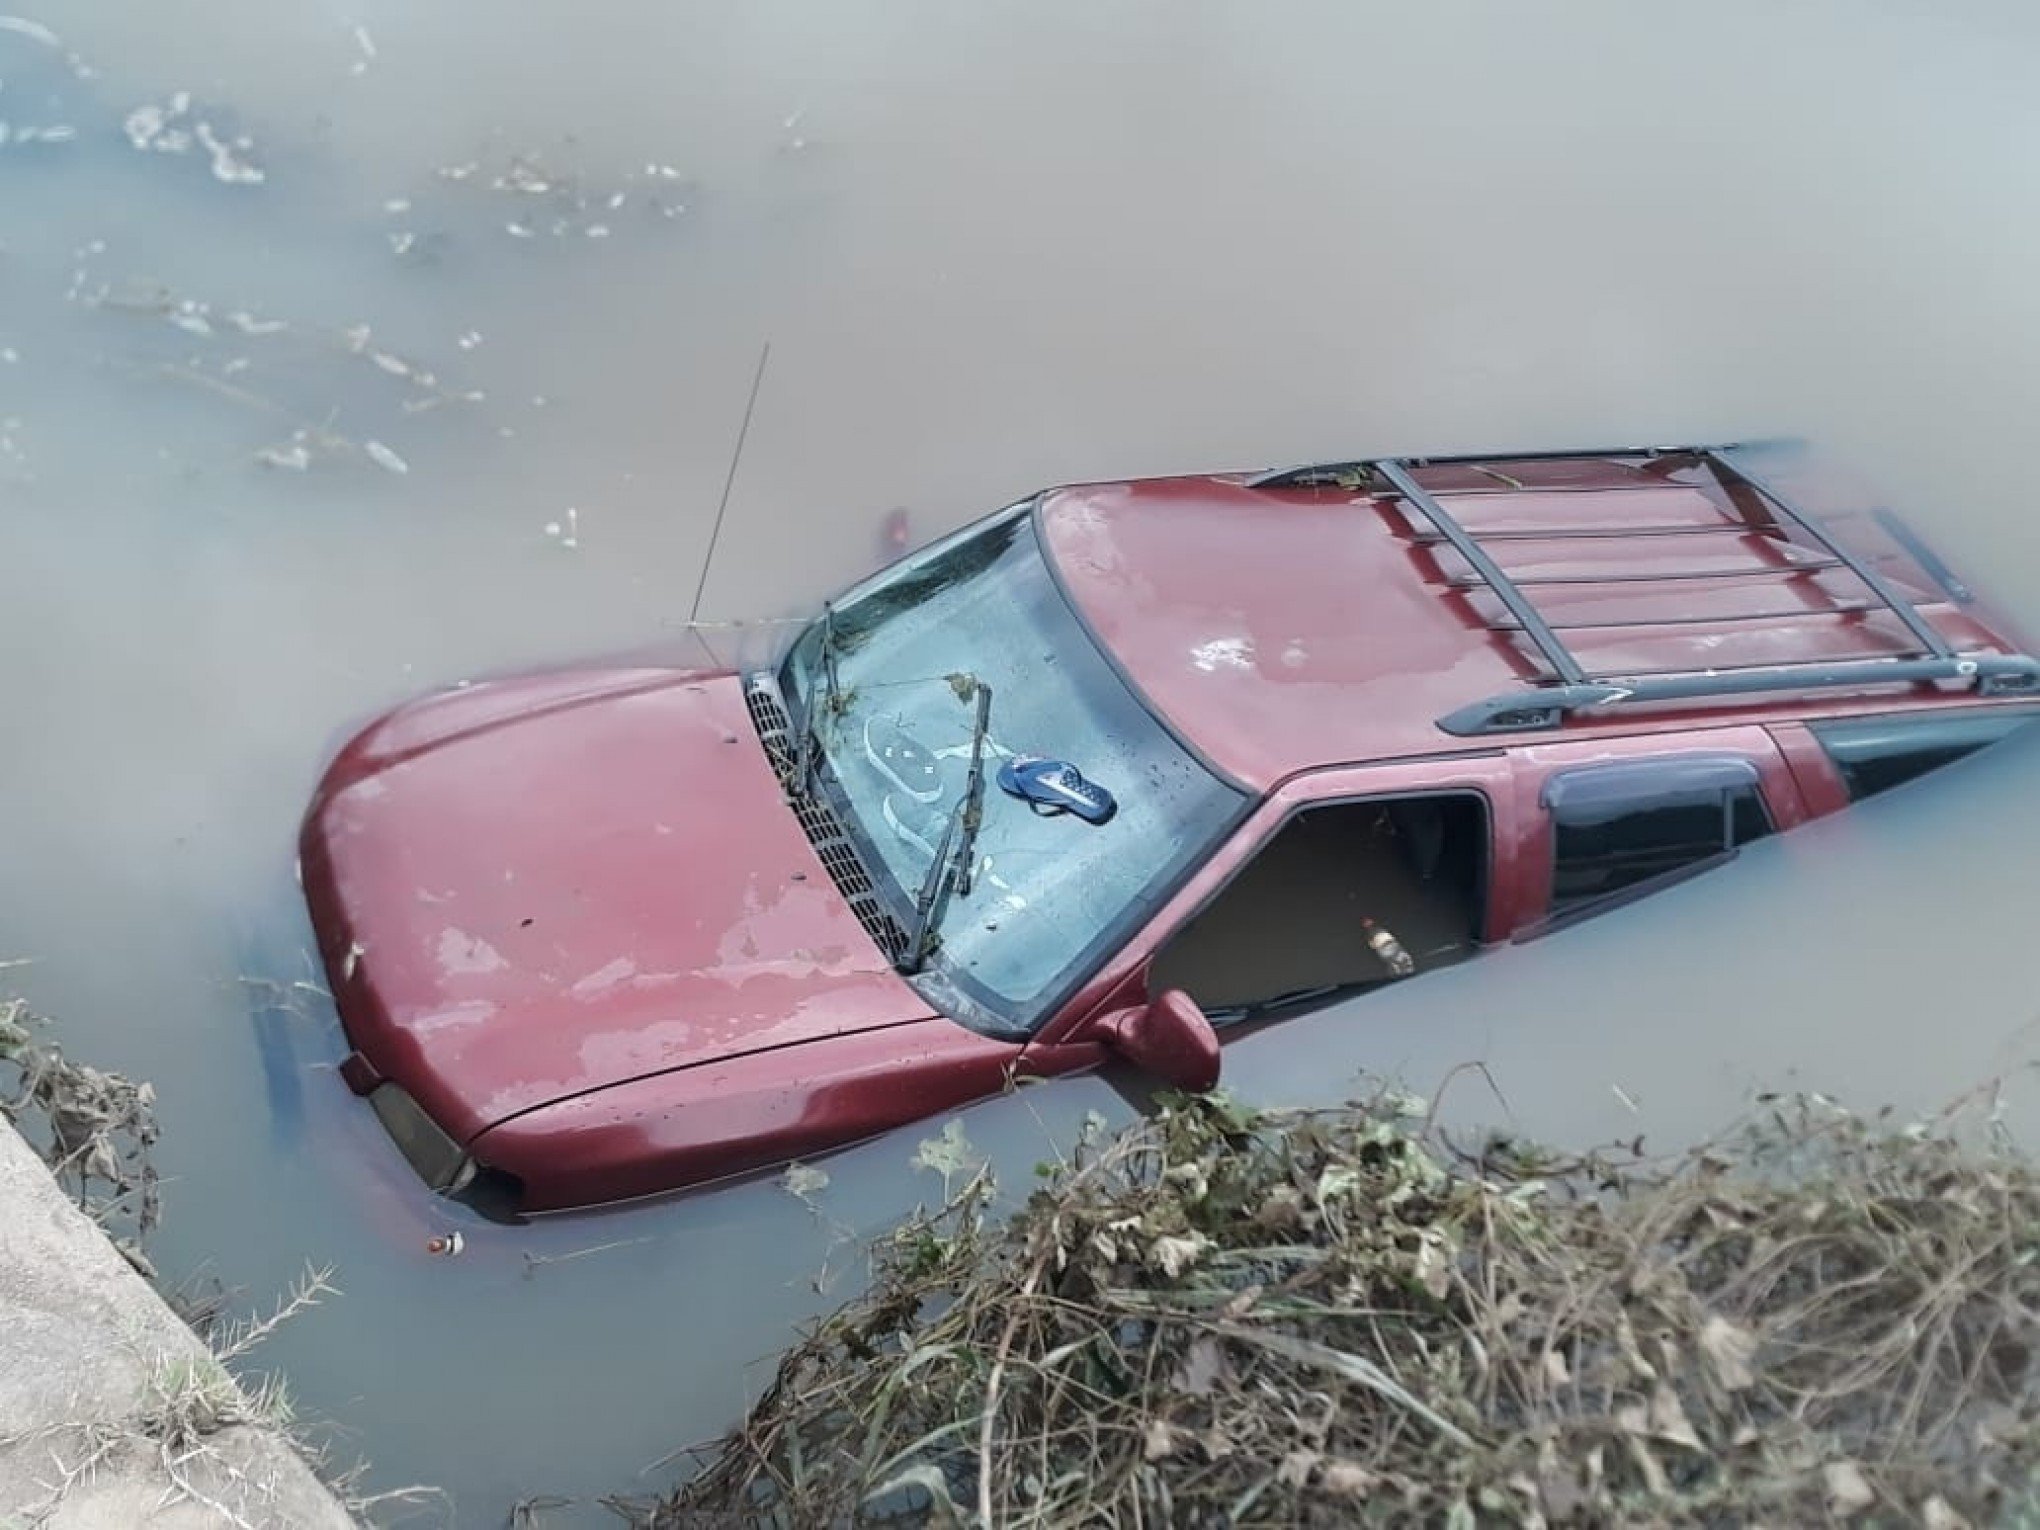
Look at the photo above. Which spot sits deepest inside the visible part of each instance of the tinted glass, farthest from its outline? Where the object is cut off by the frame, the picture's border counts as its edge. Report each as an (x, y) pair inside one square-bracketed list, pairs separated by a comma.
[(1878, 753), (1606, 842)]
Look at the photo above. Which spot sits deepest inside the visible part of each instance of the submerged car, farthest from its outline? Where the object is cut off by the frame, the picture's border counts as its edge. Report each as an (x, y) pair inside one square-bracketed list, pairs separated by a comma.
[(1112, 772)]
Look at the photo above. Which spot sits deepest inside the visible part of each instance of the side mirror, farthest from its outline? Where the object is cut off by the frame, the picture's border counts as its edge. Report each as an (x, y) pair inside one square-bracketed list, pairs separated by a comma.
[(1170, 1039)]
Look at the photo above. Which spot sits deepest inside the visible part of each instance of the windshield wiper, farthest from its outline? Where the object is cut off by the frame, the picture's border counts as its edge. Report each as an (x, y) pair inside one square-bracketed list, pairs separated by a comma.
[(830, 704), (949, 873)]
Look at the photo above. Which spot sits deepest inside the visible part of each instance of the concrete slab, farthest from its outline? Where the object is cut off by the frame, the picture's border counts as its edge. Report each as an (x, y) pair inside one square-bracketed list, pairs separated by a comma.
[(82, 1337)]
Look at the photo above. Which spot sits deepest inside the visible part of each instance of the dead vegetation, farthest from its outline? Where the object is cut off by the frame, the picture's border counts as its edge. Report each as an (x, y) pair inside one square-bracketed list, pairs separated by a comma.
[(95, 1129), (1226, 1317), (283, 372), (555, 196)]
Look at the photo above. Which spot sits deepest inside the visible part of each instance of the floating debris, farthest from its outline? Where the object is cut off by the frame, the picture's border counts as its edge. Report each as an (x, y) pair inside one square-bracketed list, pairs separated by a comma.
[(950, 1155), (148, 127), (384, 458), (227, 162), (440, 400), (576, 206), (567, 535), (170, 128), (295, 457), (20, 135), (524, 178), (804, 1182), (367, 46), (191, 318), (469, 340), (36, 32), (248, 324), (291, 375), (533, 1261), (445, 1245)]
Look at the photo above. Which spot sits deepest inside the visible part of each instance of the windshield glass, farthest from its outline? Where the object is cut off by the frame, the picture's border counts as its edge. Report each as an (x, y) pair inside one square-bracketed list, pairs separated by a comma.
[(1051, 892)]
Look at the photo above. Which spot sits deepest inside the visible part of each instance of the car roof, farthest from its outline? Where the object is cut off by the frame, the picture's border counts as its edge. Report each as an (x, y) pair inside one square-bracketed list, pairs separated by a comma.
[(1290, 621)]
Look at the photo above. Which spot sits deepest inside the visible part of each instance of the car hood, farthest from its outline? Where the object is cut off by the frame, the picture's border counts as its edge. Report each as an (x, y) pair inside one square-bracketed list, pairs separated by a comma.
[(535, 893)]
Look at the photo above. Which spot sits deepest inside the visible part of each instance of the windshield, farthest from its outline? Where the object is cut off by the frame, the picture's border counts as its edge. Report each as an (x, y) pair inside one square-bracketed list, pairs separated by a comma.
[(1050, 892)]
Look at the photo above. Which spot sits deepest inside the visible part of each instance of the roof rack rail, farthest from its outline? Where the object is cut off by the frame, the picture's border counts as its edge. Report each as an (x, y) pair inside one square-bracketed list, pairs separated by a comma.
[(1556, 654), (1928, 636), (1318, 473), (1547, 706)]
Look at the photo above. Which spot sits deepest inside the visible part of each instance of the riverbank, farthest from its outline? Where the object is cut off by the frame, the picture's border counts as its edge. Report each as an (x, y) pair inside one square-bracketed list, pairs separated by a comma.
[(114, 1415), (1231, 1317)]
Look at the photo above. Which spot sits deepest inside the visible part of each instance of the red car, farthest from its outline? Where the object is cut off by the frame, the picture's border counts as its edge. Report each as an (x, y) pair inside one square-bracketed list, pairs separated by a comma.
[(1112, 772)]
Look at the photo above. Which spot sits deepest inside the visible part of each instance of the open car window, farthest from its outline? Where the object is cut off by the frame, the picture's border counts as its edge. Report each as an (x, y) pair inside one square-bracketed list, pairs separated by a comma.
[(1299, 924)]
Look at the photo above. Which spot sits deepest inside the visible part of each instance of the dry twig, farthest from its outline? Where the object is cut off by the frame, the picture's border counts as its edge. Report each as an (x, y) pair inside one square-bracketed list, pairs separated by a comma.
[(1225, 1317)]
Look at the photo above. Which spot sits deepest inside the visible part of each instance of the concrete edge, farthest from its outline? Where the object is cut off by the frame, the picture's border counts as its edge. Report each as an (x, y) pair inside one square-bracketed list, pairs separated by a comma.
[(82, 1339)]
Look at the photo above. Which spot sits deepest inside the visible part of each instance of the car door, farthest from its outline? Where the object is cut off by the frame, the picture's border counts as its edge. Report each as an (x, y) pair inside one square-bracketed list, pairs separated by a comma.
[(1486, 777), (1609, 821)]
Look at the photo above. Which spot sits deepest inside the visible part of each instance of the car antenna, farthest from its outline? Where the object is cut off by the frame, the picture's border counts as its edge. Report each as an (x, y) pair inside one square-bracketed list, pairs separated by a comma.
[(736, 456)]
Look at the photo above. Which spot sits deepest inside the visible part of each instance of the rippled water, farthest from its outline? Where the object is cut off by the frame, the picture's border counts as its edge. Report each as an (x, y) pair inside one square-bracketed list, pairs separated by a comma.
[(991, 247)]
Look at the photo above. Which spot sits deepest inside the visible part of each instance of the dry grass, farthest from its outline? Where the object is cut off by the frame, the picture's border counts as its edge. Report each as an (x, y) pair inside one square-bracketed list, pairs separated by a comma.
[(1225, 1317), (188, 1398)]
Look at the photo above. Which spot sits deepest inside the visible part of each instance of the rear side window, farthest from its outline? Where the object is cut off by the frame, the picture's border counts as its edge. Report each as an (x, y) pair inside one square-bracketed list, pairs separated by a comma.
[(1877, 753), (1617, 827)]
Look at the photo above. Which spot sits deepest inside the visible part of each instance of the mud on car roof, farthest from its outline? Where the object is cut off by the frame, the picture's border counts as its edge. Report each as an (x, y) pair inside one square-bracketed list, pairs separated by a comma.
[(1686, 604)]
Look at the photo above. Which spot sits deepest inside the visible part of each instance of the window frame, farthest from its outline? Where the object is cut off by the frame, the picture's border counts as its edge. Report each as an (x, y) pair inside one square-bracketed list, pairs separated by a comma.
[(1999, 722), (1272, 832), (1656, 778)]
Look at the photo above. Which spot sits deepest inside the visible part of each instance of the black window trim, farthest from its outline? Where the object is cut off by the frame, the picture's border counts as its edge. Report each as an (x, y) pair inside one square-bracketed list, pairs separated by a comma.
[(2000, 722), (1727, 768)]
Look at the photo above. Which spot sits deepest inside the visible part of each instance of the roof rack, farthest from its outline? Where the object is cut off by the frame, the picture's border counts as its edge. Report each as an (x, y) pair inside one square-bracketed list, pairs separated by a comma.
[(1575, 690), (1334, 472)]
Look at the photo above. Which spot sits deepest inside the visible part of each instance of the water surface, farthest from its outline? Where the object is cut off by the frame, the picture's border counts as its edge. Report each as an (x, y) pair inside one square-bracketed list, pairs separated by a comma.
[(991, 247)]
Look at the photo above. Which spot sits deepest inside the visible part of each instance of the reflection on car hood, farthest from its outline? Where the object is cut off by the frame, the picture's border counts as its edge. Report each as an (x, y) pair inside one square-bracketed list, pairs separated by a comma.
[(573, 895)]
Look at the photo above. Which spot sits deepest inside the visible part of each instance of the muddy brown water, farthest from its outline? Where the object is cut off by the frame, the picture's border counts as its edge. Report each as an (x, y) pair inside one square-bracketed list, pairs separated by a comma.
[(992, 247)]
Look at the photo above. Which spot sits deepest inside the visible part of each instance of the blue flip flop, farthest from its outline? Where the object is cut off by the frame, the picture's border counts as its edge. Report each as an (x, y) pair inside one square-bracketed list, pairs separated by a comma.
[(1056, 786)]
